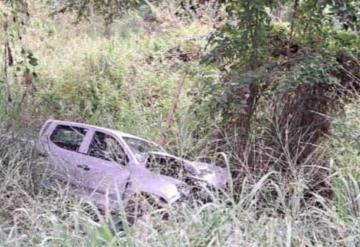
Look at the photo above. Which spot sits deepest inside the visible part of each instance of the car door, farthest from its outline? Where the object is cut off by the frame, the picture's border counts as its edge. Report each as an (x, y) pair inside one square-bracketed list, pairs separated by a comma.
[(63, 145), (103, 166)]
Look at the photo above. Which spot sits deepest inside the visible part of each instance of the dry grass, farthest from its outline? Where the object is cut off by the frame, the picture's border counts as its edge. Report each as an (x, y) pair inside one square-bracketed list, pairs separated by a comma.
[(36, 212), (271, 203)]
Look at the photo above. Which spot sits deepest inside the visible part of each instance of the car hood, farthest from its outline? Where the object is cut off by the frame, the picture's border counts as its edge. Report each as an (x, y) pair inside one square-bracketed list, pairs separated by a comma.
[(164, 187), (212, 174)]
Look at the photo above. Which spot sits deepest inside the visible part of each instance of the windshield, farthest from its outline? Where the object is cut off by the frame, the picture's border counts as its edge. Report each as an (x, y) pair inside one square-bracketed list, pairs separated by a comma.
[(141, 147)]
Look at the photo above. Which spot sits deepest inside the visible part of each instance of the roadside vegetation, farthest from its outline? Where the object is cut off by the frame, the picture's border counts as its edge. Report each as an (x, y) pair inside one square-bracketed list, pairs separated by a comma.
[(268, 89)]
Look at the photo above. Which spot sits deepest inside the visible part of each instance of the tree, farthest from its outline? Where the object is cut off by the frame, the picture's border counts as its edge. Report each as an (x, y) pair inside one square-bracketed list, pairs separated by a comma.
[(288, 66), (19, 62), (242, 40), (239, 48)]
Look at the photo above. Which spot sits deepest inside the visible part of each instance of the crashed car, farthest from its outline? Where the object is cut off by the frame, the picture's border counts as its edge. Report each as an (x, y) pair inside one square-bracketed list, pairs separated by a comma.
[(156, 159), (105, 165)]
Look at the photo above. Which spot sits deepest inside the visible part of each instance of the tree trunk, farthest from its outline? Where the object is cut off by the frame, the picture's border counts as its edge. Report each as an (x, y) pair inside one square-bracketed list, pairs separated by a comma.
[(171, 115), (290, 40), (8, 61)]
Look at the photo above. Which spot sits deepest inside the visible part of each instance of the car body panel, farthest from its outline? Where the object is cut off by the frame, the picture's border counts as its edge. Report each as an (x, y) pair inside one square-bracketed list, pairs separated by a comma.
[(146, 181)]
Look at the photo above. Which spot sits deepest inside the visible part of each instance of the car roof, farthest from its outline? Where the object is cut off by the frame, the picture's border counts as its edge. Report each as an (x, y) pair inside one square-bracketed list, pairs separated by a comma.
[(116, 132)]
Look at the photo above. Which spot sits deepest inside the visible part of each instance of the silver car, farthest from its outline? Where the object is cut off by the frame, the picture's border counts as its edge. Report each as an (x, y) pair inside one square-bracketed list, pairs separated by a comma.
[(106, 164)]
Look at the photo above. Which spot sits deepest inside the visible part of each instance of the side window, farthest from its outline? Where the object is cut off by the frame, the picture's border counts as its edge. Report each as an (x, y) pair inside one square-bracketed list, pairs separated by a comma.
[(106, 147), (68, 137)]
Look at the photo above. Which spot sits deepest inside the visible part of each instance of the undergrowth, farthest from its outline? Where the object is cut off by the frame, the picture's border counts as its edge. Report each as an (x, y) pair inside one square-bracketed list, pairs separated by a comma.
[(128, 82), (267, 211)]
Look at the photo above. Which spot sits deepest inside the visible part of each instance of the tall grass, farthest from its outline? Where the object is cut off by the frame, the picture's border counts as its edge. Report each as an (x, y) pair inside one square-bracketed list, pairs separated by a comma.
[(38, 211), (128, 83)]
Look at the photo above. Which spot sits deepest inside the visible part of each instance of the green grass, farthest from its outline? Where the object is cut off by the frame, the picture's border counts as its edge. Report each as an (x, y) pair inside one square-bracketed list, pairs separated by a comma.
[(38, 211), (127, 82)]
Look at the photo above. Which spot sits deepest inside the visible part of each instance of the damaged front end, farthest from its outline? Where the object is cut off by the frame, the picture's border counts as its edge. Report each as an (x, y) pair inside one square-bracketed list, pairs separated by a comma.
[(200, 176), (167, 189), (211, 174)]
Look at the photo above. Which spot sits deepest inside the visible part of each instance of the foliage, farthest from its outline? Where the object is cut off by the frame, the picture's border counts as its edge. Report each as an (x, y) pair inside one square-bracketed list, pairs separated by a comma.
[(342, 40), (310, 70), (342, 151), (108, 9), (345, 144), (347, 13), (260, 57), (260, 99), (243, 37), (127, 83), (19, 64)]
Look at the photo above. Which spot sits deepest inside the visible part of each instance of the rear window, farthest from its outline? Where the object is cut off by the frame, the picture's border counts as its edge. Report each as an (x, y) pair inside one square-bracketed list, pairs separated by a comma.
[(68, 137)]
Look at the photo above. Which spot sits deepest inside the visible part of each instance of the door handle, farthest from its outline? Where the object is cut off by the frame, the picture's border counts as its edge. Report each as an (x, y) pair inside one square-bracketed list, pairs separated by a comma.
[(84, 167)]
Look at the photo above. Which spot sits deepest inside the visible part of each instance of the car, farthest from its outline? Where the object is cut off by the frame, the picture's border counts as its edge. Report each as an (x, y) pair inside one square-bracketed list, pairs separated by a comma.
[(105, 165)]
